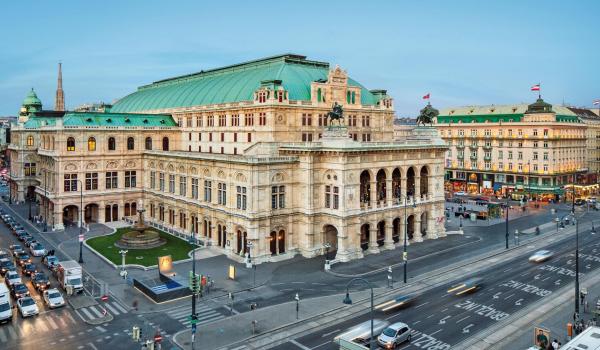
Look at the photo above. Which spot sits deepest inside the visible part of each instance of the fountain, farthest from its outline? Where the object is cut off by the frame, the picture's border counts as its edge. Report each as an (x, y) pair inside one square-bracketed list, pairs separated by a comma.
[(140, 236)]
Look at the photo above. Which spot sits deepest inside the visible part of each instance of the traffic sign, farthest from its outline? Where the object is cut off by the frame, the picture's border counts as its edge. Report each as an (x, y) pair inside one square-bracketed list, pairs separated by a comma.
[(157, 338), (104, 298), (80, 238)]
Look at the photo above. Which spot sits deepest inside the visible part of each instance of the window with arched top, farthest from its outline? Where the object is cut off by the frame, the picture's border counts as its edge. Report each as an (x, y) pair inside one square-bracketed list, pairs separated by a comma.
[(70, 144), (165, 143), (130, 144), (112, 144), (348, 96), (91, 144), (319, 95), (353, 97), (29, 140), (148, 143)]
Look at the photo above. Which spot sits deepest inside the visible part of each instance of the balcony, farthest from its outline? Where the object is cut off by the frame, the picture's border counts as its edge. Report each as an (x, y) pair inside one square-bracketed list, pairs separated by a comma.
[(473, 157), (487, 158), (460, 156), (474, 146), (460, 146), (487, 147)]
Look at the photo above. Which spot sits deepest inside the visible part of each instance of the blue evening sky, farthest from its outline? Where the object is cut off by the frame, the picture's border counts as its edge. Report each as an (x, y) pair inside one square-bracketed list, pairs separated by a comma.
[(462, 52)]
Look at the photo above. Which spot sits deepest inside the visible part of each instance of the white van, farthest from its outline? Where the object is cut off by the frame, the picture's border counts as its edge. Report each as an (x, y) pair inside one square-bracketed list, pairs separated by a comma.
[(361, 333), (5, 304)]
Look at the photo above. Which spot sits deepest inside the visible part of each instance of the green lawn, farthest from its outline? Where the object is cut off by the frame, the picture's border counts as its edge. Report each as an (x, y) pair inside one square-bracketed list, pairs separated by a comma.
[(176, 247)]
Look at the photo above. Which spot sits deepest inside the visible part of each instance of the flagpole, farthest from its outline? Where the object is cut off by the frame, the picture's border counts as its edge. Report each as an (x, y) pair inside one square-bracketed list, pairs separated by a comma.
[(540, 91)]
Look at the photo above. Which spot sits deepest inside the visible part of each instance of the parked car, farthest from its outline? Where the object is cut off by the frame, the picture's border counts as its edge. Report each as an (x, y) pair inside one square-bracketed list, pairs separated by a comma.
[(53, 298), (29, 269), (19, 290), (40, 281), (12, 277), (23, 236), (4, 254), (29, 241), (37, 249), (27, 307), (579, 201), (13, 247)]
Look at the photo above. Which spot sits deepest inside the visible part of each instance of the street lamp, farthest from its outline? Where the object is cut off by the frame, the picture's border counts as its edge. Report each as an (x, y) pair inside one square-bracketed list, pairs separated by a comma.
[(327, 246), (123, 273), (405, 245), (297, 298), (81, 223), (47, 201), (250, 245), (348, 301), (506, 223)]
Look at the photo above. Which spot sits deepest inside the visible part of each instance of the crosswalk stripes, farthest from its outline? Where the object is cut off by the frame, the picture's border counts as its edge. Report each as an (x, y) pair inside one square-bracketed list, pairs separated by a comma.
[(205, 314), (97, 311), (44, 323)]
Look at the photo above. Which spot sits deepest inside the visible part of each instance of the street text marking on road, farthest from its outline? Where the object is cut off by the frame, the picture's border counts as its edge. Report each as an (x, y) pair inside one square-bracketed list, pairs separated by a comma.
[(466, 329), (482, 310)]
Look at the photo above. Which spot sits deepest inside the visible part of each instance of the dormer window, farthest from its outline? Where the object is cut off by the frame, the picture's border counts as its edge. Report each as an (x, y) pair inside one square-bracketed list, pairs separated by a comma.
[(320, 95), (262, 96), (145, 121), (109, 120), (127, 120)]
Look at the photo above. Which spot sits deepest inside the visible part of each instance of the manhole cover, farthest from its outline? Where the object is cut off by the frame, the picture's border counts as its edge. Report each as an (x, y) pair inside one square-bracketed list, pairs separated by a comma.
[(139, 257)]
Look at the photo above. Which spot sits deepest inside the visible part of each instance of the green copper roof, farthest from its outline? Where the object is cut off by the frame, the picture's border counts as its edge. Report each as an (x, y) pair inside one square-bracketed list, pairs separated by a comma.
[(233, 84), (497, 113), (104, 120), (31, 99)]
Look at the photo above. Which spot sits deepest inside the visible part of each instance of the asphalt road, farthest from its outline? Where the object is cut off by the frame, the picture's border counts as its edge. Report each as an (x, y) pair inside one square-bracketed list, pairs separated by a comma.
[(442, 320)]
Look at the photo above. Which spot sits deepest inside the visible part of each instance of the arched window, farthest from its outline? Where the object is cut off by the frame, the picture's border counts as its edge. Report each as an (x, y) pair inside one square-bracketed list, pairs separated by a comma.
[(165, 144), (112, 144), (130, 144), (319, 94), (91, 144), (348, 96), (148, 143), (70, 144), (29, 140), (353, 97)]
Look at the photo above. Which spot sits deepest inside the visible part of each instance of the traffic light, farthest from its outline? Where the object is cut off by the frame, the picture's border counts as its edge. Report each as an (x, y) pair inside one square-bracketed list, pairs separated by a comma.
[(136, 333), (195, 283)]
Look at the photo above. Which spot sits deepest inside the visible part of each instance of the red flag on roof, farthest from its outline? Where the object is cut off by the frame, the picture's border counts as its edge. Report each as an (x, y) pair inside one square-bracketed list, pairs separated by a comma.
[(426, 97), (536, 87)]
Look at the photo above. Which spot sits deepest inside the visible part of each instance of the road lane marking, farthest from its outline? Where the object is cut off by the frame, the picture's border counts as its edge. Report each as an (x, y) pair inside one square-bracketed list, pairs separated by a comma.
[(497, 295), (87, 314), (414, 323), (119, 307), (430, 316), (545, 278), (418, 306), (431, 334), (444, 310), (462, 319), (299, 345), (318, 346), (96, 312), (112, 310), (507, 270), (508, 297), (42, 325), (332, 332), (100, 329), (466, 329), (92, 346), (518, 302)]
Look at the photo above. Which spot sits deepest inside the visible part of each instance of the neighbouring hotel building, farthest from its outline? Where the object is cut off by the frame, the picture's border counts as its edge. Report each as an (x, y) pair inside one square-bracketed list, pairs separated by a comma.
[(520, 150), (240, 154)]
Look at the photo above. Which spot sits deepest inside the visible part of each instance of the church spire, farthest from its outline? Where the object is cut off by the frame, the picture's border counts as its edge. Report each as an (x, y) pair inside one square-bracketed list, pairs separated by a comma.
[(59, 104)]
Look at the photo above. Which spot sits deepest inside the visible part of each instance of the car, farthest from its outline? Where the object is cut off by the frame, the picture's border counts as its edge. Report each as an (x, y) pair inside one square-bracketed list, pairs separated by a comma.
[(540, 256), (4, 254), (29, 241), (14, 247), (460, 193), (18, 251), (53, 298), (50, 261), (15, 226), (579, 201), (5, 217), (29, 269), (40, 281), (12, 277), (23, 236), (5, 305), (37, 249), (469, 286), (19, 290), (396, 302), (394, 335), (23, 259), (6, 265), (361, 333), (20, 232), (27, 307)]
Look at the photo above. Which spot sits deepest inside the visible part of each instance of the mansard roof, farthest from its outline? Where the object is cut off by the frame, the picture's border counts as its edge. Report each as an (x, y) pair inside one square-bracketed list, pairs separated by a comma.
[(98, 119)]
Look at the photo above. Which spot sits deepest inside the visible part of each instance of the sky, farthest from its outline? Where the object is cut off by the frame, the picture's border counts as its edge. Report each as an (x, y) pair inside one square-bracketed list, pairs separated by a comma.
[(461, 52)]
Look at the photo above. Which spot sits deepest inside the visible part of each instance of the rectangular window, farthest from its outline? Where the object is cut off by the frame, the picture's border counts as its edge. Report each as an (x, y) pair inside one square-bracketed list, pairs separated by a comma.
[(183, 186), (545, 155), (535, 155), (161, 181), (262, 118), (152, 179), (327, 196), (500, 154), (91, 181), (194, 188), (207, 191), (171, 183), (130, 179), (249, 119), (510, 155), (70, 182), (210, 121), (535, 132), (520, 155), (222, 120), (189, 122), (500, 166), (112, 180), (199, 121), (249, 137), (545, 132), (336, 197), (222, 193), (535, 144), (30, 169), (241, 197), (277, 197)]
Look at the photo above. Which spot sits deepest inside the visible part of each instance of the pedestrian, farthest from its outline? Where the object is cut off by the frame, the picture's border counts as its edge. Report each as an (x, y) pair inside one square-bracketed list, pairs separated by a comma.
[(554, 344), (135, 305)]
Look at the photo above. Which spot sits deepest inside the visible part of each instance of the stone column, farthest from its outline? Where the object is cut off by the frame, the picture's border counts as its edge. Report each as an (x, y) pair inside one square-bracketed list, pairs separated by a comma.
[(417, 189), (373, 194), (373, 247), (431, 223), (389, 194), (58, 222), (402, 189), (388, 243), (417, 236)]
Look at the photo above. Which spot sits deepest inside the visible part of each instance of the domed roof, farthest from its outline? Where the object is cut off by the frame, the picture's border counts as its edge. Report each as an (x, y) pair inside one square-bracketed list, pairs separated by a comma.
[(32, 99)]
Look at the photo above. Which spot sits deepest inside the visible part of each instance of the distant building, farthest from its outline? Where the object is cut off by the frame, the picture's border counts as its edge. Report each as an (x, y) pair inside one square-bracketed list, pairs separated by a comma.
[(403, 128), (93, 107), (520, 150), (592, 121)]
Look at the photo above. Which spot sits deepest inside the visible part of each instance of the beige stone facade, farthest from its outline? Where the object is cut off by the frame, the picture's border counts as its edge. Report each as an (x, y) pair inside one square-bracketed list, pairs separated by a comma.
[(242, 172)]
